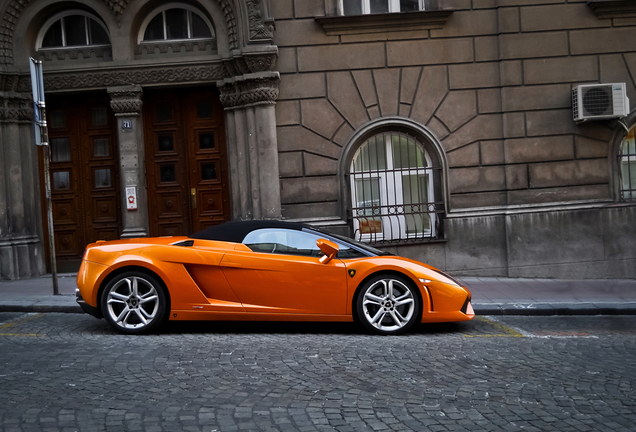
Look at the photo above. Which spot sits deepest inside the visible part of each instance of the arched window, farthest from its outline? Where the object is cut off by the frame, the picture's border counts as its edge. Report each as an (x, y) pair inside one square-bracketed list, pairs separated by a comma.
[(392, 179), (176, 22), (627, 164), (73, 28)]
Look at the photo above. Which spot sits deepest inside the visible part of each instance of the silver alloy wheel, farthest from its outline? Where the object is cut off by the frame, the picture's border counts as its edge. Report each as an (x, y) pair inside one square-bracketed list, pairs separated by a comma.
[(132, 302), (388, 305)]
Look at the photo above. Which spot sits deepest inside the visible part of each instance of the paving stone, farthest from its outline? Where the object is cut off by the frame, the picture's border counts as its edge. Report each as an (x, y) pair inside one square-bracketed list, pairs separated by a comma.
[(556, 374)]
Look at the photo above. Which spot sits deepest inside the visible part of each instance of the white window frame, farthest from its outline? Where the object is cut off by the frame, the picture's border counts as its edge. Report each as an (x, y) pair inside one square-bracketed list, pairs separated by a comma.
[(60, 16), (162, 10), (391, 194), (627, 167), (394, 6)]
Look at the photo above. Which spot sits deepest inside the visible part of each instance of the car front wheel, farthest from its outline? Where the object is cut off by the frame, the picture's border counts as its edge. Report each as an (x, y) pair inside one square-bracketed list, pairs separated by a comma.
[(387, 304), (134, 302)]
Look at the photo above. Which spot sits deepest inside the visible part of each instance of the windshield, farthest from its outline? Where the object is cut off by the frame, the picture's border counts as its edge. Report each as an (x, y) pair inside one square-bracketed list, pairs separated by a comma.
[(352, 242)]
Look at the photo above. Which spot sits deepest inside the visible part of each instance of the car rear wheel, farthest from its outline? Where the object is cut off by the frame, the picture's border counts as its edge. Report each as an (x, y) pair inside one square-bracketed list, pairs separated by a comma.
[(387, 304), (134, 302)]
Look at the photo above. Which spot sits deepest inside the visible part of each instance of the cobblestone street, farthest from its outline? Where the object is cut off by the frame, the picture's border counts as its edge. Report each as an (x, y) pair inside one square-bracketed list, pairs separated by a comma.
[(69, 372)]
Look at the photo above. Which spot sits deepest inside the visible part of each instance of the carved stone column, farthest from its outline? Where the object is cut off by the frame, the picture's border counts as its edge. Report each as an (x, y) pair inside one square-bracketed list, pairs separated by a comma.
[(21, 248), (126, 103), (252, 145)]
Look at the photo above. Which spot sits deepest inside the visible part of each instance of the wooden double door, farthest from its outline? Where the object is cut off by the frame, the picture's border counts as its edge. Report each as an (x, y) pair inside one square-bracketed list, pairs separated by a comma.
[(84, 173), (186, 160)]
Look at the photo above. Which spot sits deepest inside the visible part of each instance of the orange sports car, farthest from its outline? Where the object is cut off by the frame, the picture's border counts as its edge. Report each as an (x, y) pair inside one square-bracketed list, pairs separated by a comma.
[(263, 270)]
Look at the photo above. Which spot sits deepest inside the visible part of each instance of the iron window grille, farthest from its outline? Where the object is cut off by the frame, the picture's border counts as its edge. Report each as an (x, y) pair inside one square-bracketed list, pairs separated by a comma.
[(627, 164), (393, 188)]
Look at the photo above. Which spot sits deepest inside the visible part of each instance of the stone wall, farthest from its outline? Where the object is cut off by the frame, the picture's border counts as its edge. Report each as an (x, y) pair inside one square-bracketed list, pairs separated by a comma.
[(494, 86), (21, 250)]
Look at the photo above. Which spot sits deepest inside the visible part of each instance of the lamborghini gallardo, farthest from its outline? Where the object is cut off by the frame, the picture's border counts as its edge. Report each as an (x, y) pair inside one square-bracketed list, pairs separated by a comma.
[(263, 271)]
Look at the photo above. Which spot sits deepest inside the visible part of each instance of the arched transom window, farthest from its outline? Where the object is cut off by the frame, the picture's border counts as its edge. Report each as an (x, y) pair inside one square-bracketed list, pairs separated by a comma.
[(176, 22), (392, 190), (73, 29), (627, 164)]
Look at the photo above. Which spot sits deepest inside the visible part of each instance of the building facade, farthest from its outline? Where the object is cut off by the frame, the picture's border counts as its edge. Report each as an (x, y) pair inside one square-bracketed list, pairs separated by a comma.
[(441, 130)]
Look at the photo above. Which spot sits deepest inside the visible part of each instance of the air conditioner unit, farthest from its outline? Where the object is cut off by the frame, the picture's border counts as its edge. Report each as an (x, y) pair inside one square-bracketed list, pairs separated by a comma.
[(599, 102)]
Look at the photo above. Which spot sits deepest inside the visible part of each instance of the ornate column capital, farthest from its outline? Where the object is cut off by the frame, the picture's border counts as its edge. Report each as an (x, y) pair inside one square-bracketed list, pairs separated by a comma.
[(125, 100), (249, 90), (16, 108), (16, 105)]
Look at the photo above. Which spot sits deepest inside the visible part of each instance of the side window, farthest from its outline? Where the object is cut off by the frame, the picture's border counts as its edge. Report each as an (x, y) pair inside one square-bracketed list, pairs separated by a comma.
[(283, 241), (291, 242)]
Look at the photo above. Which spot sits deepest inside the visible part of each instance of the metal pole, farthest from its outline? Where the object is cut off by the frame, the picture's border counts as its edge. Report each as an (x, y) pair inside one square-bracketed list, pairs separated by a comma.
[(49, 214)]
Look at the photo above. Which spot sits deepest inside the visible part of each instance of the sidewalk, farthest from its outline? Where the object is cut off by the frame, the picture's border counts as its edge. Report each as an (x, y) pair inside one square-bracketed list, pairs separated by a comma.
[(491, 296)]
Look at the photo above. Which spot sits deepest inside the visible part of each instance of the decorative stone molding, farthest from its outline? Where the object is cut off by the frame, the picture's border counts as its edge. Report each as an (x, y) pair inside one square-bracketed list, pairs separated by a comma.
[(235, 67), (9, 82), (606, 9), (126, 101), (250, 90), (251, 63), (380, 23), (162, 47), (230, 21), (117, 6), (15, 108), (102, 52), (260, 29), (118, 77), (261, 63)]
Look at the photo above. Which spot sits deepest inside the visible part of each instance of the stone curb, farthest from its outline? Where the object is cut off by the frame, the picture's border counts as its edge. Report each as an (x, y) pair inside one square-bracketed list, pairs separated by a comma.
[(40, 308), (546, 309)]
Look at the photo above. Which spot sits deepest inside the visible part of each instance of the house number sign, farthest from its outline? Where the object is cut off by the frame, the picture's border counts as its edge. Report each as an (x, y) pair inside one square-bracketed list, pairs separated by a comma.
[(126, 125)]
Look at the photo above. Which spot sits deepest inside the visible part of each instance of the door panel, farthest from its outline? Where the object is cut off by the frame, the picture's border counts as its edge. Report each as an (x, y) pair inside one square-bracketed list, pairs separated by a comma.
[(270, 283), (102, 168), (186, 161), (166, 166), (84, 175)]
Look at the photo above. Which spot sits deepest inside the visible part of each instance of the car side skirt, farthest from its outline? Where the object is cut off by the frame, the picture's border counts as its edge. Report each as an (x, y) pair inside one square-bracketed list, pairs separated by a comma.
[(188, 315)]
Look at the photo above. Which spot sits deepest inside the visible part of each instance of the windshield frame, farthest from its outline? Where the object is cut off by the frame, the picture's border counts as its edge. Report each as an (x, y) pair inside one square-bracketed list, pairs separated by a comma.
[(360, 247)]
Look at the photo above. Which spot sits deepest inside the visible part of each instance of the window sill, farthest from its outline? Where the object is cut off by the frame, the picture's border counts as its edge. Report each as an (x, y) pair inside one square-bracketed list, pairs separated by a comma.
[(176, 46), (379, 23), (406, 242), (101, 52), (606, 9)]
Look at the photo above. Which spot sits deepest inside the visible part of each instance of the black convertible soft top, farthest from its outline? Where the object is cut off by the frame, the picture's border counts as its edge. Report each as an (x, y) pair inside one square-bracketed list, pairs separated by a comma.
[(236, 231)]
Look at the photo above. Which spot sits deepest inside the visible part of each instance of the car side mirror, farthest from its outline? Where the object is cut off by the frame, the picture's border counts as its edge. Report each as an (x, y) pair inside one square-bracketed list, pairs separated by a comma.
[(329, 248)]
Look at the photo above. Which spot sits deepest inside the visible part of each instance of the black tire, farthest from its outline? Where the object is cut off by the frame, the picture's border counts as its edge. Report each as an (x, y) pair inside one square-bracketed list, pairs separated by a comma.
[(388, 305), (134, 302)]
